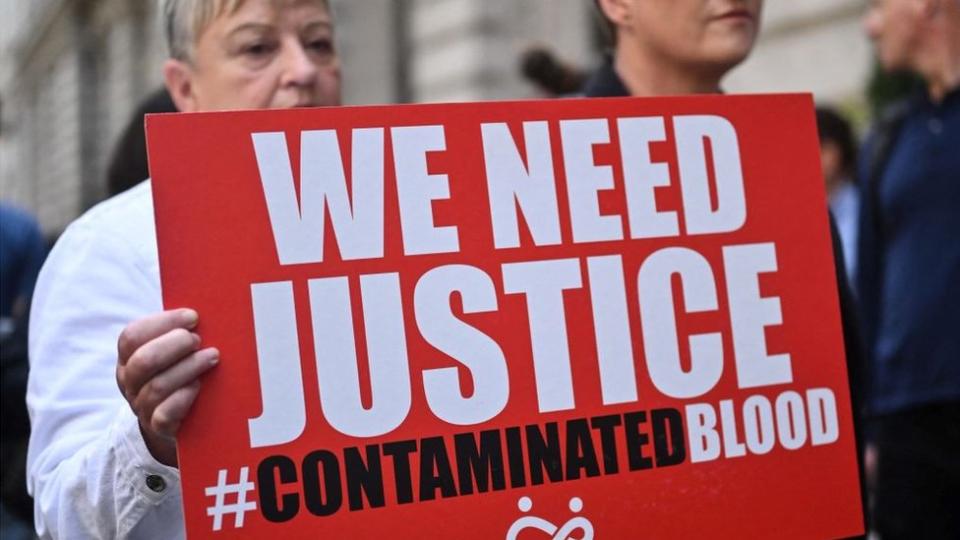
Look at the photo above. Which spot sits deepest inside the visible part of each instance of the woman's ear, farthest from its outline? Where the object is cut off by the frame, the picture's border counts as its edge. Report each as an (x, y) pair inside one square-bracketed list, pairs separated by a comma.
[(616, 11), (178, 77)]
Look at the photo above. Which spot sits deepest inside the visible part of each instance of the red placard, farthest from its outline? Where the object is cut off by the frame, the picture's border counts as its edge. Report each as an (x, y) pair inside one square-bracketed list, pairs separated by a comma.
[(604, 318)]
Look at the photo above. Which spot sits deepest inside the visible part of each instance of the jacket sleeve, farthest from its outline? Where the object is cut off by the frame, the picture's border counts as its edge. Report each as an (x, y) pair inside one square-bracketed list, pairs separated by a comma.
[(87, 465)]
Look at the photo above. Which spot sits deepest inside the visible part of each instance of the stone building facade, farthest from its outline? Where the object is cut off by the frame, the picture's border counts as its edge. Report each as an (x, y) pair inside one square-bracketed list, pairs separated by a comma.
[(71, 71)]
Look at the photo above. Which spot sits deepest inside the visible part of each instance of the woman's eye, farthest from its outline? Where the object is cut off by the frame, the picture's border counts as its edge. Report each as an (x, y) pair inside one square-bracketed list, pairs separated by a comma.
[(258, 49), (321, 45)]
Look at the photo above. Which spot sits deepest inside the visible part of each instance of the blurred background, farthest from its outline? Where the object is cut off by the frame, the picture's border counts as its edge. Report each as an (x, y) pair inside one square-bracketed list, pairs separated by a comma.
[(72, 72)]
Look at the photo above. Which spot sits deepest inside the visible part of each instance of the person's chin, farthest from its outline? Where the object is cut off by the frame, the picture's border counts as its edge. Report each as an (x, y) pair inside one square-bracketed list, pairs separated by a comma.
[(733, 50), (729, 58), (892, 63), (307, 104), (722, 62)]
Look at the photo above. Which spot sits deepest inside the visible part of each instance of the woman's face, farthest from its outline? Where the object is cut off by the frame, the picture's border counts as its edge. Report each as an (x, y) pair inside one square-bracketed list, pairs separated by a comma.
[(703, 34), (266, 54), (896, 30)]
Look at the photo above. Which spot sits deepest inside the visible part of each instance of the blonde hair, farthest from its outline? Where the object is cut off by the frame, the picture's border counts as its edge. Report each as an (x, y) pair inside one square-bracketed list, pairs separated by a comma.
[(184, 20)]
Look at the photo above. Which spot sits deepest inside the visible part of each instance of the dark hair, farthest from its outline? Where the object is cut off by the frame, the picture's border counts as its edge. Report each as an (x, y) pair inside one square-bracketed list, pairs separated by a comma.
[(541, 67), (128, 164), (833, 127)]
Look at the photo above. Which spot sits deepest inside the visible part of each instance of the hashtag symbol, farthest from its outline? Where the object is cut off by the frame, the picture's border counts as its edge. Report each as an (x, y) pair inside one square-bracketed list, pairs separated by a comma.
[(220, 491)]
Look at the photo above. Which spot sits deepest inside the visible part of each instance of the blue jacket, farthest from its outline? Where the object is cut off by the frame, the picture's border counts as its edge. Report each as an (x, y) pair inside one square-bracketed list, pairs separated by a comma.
[(909, 255)]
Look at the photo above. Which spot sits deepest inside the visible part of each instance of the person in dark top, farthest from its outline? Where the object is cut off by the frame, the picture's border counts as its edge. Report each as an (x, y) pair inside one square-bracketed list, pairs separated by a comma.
[(128, 164), (909, 274), (682, 47), (838, 161), (22, 252), (673, 48)]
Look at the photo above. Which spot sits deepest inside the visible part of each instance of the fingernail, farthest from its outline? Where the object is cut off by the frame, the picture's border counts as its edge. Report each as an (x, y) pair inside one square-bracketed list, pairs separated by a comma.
[(189, 317), (214, 356), (196, 338)]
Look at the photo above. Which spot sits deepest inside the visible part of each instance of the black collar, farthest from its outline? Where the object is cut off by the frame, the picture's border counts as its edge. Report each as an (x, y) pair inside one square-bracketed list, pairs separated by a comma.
[(604, 82), (951, 99)]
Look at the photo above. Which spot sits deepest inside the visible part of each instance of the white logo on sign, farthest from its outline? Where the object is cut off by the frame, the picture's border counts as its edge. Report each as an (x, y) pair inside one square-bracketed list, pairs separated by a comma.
[(563, 532), (220, 506)]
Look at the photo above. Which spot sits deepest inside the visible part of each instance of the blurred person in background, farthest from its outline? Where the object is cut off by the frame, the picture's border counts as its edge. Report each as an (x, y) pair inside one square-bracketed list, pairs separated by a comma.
[(678, 47), (909, 273), (102, 459), (22, 250), (128, 163), (838, 160)]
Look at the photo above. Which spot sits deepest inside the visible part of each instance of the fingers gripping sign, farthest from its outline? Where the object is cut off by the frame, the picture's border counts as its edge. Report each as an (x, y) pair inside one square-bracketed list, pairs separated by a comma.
[(159, 365)]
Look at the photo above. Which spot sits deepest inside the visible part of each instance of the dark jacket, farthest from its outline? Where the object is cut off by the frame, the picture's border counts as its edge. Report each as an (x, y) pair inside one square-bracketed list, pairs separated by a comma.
[(909, 255)]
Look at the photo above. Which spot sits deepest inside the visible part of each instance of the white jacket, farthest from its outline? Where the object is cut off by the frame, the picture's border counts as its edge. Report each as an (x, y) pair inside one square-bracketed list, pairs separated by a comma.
[(88, 468)]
